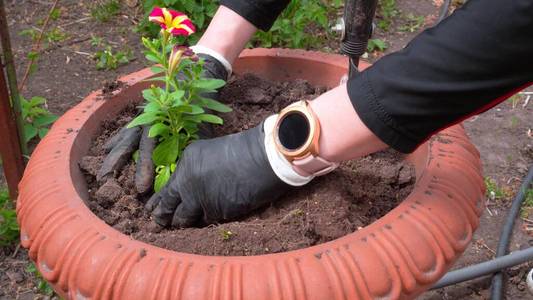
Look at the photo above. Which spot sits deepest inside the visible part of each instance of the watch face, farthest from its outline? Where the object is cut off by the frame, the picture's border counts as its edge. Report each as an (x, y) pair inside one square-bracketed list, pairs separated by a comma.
[(293, 131)]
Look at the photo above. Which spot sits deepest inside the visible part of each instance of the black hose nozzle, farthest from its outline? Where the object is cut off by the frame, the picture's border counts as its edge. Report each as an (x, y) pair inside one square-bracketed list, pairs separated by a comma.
[(358, 17)]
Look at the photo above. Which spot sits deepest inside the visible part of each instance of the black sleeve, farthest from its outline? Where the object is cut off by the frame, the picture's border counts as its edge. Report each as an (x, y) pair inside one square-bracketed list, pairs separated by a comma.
[(476, 58), (261, 13)]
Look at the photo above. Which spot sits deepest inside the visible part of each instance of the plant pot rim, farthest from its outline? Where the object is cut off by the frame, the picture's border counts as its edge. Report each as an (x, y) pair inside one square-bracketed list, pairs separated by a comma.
[(398, 256)]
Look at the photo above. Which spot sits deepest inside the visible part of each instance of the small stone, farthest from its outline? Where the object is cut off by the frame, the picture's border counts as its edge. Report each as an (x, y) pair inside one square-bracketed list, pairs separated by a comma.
[(91, 164), (108, 193), (405, 176), (154, 227), (257, 96)]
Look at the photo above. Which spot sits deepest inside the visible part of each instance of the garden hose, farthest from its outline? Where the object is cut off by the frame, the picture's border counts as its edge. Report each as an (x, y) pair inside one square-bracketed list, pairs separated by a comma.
[(501, 261), (485, 268), (505, 237)]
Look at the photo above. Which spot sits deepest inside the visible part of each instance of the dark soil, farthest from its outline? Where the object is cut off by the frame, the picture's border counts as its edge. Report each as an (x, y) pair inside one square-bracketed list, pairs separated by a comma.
[(356, 194)]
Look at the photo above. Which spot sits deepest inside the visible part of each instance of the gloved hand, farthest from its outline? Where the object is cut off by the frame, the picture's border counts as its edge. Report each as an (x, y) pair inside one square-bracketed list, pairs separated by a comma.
[(223, 178), (127, 140)]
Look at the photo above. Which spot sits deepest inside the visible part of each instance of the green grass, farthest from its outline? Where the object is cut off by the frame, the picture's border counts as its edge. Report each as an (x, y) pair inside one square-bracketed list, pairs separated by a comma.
[(53, 36), (494, 192), (104, 10), (412, 23), (527, 205), (42, 285), (9, 228), (376, 45), (109, 60), (386, 12)]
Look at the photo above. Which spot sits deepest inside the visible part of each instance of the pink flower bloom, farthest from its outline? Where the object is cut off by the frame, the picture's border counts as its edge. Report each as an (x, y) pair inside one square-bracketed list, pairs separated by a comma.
[(172, 21)]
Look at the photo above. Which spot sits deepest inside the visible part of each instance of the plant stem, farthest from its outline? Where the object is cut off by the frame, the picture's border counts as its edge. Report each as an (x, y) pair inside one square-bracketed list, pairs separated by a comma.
[(11, 76), (36, 46)]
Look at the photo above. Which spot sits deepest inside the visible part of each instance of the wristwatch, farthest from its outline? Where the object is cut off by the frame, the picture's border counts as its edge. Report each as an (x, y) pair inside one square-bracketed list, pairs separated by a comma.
[(296, 136)]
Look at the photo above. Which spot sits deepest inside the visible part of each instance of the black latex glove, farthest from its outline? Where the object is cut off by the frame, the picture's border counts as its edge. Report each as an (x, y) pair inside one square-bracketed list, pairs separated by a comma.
[(127, 140), (217, 180)]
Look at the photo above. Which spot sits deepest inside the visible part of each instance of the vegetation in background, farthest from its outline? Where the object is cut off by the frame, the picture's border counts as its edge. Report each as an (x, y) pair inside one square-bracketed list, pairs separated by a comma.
[(412, 23), (295, 28), (42, 285), (108, 60), (52, 36), (494, 192), (376, 45), (9, 228), (386, 11), (54, 15), (96, 41), (37, 119), (104, 10), (527, 205)]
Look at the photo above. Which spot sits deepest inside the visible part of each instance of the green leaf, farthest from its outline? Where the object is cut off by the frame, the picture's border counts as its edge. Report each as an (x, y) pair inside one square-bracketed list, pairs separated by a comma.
[(148, 94), (144, 118), (34, 101), (158, 129), (152, 107), (209, 84), (158, 78), (153, 58), (44, 120), (214, 105), (161, 178), (29, 132), (210, 119), (157, 69), (166, 152), (42, 132), (176, 97), (195, 109)]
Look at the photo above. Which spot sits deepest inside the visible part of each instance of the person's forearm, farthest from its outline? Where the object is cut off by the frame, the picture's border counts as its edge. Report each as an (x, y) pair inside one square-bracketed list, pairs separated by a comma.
[(343, 135), (468, 63), (227, 34)]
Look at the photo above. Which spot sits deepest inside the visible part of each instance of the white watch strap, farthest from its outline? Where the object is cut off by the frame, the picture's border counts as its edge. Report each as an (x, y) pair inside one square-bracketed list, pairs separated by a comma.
[(280, 165), (205, 50), (314, 165)]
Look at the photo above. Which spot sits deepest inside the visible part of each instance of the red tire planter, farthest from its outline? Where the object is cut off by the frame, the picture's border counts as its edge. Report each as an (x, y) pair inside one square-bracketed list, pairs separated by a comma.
[(398, 256)]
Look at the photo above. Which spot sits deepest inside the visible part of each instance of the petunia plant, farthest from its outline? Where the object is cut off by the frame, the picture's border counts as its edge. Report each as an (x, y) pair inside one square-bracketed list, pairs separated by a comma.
[(175, 110)]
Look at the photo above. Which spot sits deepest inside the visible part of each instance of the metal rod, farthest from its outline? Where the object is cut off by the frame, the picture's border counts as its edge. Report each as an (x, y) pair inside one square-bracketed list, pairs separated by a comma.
[(12, 160), (9, 65)]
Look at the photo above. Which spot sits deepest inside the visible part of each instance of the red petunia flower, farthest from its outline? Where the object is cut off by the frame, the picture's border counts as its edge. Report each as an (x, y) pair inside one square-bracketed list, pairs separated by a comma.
[(174, 22)]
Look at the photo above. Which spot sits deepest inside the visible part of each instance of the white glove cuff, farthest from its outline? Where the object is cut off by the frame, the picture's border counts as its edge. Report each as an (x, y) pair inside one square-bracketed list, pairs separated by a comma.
[(205, 50), (281, 166)]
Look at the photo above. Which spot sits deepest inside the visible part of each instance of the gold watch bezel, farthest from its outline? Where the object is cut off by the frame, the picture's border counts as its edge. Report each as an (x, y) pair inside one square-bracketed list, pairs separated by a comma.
[(311, 144)]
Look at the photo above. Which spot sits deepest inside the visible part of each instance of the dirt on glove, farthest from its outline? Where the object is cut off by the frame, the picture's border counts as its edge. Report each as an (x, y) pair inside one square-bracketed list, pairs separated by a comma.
[(353, 196)]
